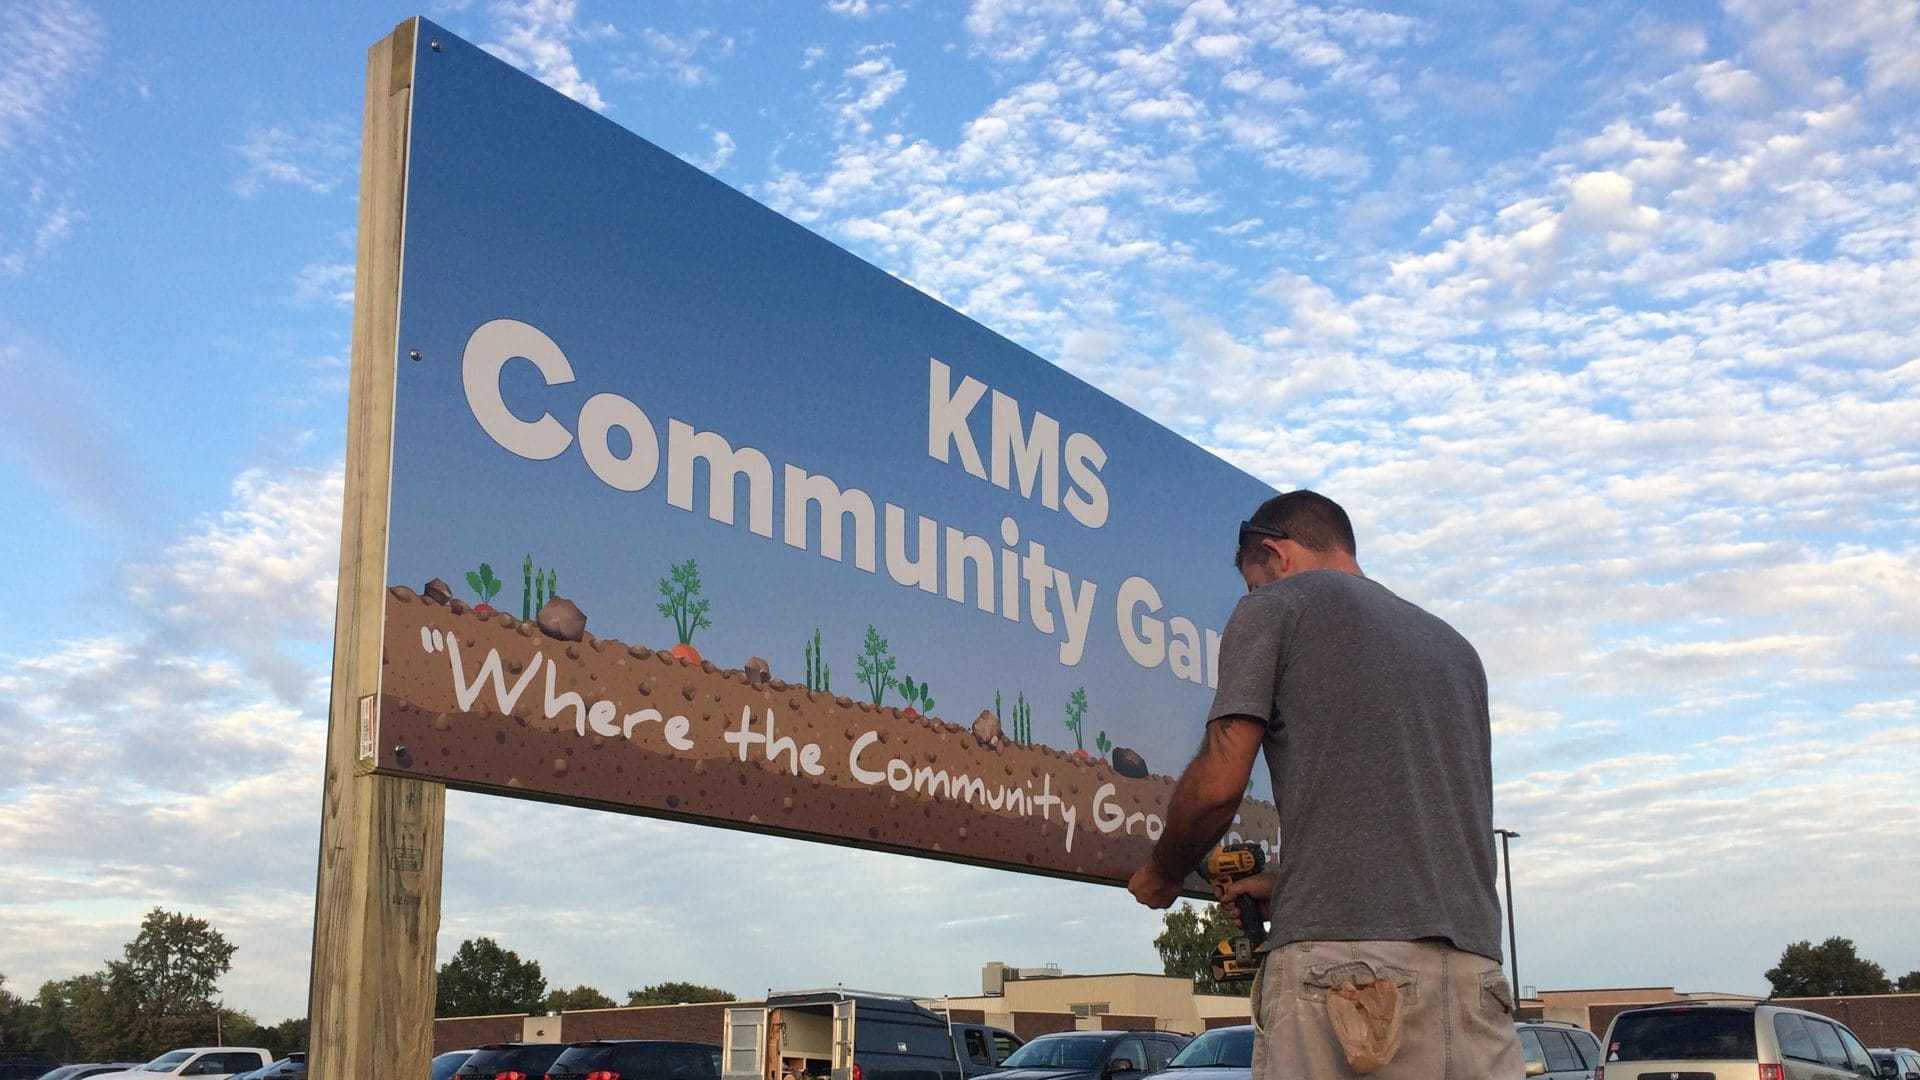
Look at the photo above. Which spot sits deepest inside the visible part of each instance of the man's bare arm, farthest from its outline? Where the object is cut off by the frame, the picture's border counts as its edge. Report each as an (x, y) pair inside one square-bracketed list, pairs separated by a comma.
[(1202, 806)]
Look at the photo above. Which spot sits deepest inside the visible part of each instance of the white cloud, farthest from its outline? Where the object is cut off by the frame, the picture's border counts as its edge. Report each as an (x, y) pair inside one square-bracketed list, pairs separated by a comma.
[(684, 58), (535, 36), (45, 51), (716, 158), (47, 47), (316, 157), (331, 282)]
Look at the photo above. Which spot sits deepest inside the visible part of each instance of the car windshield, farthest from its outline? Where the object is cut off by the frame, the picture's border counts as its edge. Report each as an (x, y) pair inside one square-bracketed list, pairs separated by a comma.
[(1058, 1052), (1683, 1035), (167, 1062), (1231, 1047)]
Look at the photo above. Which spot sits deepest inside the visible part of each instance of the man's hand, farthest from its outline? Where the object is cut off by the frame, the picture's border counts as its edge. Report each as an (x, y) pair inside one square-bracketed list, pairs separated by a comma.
[(1259, 887), (1152, 889)]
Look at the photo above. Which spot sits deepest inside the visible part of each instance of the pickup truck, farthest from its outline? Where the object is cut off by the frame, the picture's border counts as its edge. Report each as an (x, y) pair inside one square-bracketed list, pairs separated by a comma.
[(845, 1035), (205, 1062)]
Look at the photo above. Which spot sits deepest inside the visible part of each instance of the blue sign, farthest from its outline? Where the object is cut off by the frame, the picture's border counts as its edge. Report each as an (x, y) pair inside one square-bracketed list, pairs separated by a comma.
[(725, 524)]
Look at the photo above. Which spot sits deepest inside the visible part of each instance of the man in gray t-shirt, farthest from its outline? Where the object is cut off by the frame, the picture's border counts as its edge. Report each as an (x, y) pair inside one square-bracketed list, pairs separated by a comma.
[(1372, 715)]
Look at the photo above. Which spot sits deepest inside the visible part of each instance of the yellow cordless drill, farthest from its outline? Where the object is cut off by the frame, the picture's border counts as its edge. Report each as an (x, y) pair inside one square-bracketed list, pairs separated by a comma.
[(1234, 958)]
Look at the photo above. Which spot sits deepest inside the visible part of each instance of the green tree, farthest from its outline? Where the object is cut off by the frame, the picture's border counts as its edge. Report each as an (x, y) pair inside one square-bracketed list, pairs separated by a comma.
[(580, 997), (288, 1036), (1187, 941), (1908, 983), (1832, 967), (484, 979), (87, 1018), (16, 1019), (676, 993), (170, 975)]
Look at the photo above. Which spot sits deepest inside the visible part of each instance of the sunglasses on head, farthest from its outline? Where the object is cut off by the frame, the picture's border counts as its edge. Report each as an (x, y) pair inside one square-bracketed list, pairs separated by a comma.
[(1248, 528)]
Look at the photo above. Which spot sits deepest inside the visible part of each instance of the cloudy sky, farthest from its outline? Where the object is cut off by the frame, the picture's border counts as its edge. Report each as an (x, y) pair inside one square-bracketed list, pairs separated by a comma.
[(1601, 319)]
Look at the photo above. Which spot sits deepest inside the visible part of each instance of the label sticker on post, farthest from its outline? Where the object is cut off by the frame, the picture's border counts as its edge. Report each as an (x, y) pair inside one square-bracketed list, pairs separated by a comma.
[(366, 728)]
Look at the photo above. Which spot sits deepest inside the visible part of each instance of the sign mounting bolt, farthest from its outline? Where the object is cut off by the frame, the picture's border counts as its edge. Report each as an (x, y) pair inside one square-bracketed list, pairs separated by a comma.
[(414, 354)]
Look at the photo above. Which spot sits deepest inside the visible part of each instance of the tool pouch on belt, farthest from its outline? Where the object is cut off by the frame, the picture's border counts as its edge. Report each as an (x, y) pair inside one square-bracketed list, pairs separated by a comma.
[(1368, 1021)]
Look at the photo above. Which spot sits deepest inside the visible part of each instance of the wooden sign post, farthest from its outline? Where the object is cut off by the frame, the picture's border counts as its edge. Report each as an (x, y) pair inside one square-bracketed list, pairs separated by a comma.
[(377, 903)]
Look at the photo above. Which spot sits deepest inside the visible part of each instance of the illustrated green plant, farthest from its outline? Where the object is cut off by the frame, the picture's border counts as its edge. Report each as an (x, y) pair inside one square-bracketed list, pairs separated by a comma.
[(875, 667), (680, 587), (1105, 744), (918, 695), (819, 675), (484, 583), (1022, 720), (537, 586), (1076, 715)]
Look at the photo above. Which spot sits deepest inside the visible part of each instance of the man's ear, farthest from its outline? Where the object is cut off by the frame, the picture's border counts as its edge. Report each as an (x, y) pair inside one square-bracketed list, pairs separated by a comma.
[(1279, 553)]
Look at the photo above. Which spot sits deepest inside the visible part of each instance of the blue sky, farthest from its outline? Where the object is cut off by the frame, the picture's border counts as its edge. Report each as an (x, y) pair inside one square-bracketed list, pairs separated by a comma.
[(1600, 321)]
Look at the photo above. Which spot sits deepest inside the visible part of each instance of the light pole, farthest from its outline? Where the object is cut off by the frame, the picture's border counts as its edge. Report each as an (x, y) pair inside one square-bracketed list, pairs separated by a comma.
[(1513, 948)]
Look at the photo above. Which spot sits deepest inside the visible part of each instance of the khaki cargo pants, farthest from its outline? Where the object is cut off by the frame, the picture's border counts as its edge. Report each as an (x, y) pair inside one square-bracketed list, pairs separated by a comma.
[(1457, 1006)]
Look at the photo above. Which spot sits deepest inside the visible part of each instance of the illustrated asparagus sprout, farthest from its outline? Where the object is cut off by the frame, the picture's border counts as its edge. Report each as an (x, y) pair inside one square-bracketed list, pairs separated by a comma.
[(819, 675), (537, 586)]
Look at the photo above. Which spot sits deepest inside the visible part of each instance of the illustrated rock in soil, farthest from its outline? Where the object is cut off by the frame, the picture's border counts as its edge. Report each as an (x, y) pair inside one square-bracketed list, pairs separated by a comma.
[(986, 728), (757, 671), (562, 618), (437, 591), (1128, 763)]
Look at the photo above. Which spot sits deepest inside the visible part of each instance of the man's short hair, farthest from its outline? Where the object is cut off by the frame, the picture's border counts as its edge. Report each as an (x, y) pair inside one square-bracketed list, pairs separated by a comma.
[(1309, 519)]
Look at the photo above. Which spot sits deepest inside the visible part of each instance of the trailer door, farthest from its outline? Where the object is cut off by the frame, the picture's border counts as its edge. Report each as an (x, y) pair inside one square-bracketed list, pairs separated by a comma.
[(746, 1045), (843, 1040)]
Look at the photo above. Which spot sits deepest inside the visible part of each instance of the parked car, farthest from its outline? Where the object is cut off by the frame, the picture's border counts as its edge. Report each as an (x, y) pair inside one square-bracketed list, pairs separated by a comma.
[(445, 1065), (1896, 1063), (24, 1066), (1772, 1042), (287, 1068), (1092, 1055), (1558, 1050), (509, 1061), (89, 1070), (204, 1062), (635, 1059), (982, 1049), (1219, 1054)]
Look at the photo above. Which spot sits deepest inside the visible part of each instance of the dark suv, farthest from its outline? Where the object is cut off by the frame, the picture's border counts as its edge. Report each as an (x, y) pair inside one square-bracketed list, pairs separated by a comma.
[(24, 1066), (509, 1061), (636, 1059), (1091, 1055)]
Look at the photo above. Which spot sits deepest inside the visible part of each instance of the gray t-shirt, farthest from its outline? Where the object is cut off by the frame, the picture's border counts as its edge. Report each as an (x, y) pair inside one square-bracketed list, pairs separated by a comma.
[(1380, 747)]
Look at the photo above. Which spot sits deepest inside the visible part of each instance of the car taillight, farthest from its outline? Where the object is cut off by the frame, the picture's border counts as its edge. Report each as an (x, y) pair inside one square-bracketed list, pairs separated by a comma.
[(603, 1074), (857, 1074), (1599, 1072), (1773, 1072), (510, 1074)]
